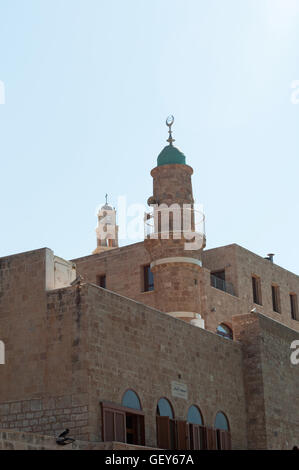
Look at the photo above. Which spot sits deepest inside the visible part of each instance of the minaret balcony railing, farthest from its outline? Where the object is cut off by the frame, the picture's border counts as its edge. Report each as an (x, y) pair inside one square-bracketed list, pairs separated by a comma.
[(177, 223)]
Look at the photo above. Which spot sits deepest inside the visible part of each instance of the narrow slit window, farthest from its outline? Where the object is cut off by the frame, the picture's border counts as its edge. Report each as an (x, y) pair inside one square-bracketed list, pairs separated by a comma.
[(294, 306), (148, 279), (101, 281), (256, 290), (276, 299)]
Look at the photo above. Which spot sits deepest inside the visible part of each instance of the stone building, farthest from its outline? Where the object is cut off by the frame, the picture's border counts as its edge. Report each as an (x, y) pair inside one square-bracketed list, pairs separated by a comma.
[(157, 344)]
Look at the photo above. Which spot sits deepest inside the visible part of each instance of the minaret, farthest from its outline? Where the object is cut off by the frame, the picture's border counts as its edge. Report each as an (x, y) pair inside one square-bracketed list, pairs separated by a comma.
[(107, 230), (175, 243)]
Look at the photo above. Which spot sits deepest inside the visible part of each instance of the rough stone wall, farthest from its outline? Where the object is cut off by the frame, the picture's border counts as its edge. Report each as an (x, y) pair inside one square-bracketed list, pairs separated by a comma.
[(50, 416), (123, 268), (22, 310), (172, 184), (221, 258), (69, 349), (43, 384), (271, 382), (217, 306), (249, 263), (133, 346), (240, 264), (13, 440)]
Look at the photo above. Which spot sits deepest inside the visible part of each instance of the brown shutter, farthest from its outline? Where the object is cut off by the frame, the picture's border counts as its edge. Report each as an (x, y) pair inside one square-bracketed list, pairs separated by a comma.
[(140, 430), (198, 437), (203, 437), (194, 437), (182, 432), (211, 439), (114, 425), (224, 440), (108, 425), (120, 426), (227, 440), (163, 432)]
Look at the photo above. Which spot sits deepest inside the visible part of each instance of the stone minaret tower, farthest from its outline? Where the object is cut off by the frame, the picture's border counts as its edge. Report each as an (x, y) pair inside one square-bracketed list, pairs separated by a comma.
[(107, 230), (175, 259)]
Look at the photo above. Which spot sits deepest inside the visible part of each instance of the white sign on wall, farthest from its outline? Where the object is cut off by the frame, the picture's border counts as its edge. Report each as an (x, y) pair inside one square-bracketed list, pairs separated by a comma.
[(179, 390)]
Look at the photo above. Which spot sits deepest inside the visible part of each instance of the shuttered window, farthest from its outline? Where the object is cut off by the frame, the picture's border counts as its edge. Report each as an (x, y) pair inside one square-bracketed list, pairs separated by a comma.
[(114, 425), (223, 436), (182, 434), (223, 440), (122, 424), (172, 434), (198, 437), (211, 438), (163, 432)]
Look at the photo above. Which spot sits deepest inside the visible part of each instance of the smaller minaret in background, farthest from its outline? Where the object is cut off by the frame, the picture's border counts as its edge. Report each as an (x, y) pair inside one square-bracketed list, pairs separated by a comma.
[(107, 230)]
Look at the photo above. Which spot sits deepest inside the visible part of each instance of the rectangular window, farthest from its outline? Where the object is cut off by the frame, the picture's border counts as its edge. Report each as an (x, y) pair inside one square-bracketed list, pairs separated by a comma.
[(294, 306), (101, 281), (256, 290), (148, 279), (276, 298)]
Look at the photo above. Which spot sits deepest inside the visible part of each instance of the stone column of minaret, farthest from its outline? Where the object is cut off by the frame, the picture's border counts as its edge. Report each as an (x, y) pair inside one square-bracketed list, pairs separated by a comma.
[(107, 230), (175, 261)]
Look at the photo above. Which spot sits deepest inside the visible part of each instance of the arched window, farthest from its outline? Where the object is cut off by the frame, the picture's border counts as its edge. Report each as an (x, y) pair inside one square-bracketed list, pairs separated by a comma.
[(222, 432), (221, 422), (166, 430), (194, 415), (225, 331), (197, 439), (131, 400), (130, 419), (164, 408)]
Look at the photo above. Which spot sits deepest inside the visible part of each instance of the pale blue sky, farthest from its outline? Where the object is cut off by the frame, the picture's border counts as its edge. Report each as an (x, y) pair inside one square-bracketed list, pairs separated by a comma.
[(89, 84)]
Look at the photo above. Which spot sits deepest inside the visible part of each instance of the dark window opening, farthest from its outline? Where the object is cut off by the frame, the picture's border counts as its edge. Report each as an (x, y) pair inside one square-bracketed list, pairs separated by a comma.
[(219, 274), (134, 429), (218, 281), (276, 299), (101, 281), (256, 290), (148, 279), (294, 306)]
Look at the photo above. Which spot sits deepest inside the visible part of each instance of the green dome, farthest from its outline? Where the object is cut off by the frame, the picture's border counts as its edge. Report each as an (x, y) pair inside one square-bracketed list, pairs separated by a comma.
[(171, 155)]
